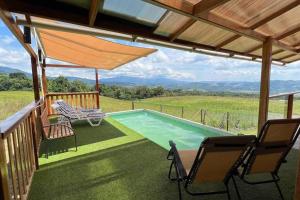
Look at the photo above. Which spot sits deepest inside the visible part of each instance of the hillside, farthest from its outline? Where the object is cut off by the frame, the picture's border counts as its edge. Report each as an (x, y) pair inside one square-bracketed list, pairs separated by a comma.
[(277, 86)]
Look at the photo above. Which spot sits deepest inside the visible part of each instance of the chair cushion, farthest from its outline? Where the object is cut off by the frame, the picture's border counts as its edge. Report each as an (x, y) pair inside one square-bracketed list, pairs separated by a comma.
[(187, 158)]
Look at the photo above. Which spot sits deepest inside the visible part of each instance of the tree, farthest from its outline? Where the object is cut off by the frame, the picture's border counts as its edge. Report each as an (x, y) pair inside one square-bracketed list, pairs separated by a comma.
[(18, 75)]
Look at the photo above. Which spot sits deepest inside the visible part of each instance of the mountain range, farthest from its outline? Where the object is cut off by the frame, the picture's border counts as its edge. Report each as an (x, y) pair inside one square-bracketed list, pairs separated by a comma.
[(277, 86)]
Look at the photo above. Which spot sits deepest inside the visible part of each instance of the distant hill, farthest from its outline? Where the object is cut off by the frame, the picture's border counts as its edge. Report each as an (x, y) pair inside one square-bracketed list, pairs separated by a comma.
[(8, 70), (277, 86)]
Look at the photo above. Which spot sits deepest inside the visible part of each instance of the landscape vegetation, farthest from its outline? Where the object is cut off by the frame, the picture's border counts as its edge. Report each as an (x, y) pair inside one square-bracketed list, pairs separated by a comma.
[(236, 112)]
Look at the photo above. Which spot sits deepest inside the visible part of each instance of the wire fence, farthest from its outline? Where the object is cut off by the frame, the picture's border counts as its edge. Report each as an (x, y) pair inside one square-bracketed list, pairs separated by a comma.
[(235, 121)]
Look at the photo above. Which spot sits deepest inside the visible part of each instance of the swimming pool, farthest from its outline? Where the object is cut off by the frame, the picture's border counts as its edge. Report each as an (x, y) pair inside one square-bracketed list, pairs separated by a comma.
[(160, 128)]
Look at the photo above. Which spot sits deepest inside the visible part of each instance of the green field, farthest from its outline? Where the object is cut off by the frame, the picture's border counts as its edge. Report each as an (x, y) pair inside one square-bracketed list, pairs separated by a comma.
[(241, 117)]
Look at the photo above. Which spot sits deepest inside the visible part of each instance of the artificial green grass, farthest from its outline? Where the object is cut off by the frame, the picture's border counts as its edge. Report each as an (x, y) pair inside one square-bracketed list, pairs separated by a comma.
[(131, 169), (89, 139)]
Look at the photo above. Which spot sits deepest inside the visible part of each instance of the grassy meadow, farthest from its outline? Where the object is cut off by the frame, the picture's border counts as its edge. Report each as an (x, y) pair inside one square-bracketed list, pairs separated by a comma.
[(242, 111)]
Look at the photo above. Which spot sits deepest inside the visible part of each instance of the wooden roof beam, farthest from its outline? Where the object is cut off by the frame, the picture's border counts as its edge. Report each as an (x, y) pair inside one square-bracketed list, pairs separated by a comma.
[(288, 32), (182, 29), (264, 21), (275, 14), (10, 22), (94, 7), (205, 6), (288, 56), (277, 52), (207, 18), (217, 21), (229, 40)]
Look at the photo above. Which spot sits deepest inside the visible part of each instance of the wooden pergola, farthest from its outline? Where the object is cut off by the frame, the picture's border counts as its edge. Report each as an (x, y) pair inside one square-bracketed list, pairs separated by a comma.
[(256, 30)]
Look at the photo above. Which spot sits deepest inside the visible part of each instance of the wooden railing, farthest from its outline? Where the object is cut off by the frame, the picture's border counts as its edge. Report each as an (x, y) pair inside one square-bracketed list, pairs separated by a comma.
[(77, 99), (19, 145)]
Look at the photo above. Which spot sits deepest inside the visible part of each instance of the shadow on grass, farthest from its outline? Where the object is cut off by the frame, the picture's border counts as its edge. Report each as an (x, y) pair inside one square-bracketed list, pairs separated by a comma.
[(86, 135), (136, 170)]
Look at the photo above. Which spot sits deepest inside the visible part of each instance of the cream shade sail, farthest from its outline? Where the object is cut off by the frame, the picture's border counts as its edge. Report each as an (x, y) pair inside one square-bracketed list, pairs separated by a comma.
[(88, 51)]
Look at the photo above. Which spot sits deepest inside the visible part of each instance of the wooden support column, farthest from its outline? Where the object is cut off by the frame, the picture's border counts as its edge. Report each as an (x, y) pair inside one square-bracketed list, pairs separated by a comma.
[(44, 78), (265, 83), (97, 80), (35, 79), (97, 88), (289, 114)]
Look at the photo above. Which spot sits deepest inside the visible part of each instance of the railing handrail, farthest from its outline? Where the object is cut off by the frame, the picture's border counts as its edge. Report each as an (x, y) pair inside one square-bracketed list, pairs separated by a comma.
[(7, 125), (284, 94), (70, 93)]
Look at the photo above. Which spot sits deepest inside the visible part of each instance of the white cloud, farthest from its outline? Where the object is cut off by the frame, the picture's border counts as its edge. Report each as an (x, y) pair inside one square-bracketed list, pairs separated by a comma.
[(14, 58), (6, 40)]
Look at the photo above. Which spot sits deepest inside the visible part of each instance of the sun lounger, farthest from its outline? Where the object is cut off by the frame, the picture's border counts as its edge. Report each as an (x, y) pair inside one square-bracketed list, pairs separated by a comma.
[(274, 142), (215, 161), (69, 107), (93, 118)]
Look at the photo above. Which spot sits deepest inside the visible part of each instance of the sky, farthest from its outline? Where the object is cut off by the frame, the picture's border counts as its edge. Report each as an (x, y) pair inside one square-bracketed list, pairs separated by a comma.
[(166, 63)]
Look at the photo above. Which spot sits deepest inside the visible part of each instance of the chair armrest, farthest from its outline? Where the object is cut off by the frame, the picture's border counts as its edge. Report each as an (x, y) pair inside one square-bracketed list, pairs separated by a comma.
[(177, 161)]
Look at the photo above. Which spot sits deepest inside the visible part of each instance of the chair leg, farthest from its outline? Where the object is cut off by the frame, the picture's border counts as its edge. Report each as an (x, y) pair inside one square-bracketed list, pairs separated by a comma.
[(236, 188), (278, 188), (228, 193), (170, 170), (178, 185), (47, 149), (75, 140)]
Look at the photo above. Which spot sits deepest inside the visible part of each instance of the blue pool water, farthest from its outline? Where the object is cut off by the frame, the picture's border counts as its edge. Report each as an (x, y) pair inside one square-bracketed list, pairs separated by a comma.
[(161, 128)]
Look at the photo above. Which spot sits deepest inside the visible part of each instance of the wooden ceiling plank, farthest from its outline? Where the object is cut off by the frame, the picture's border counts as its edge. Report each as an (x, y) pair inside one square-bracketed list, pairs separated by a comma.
[(182, 29), (219, 22), (254, 48), (288, 56), (162, 18), (229, 40), (94, 7), (277, 52), (211, 19), (288, 32), (67, 13), (207, 5), (275, 14)]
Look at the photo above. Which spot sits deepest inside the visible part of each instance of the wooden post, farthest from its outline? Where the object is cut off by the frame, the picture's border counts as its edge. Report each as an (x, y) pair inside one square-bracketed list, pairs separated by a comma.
[(289, 114), (34, 137), (227, 121), (4, 177), (265, 83), (97, 88), (132, 105), (97, 80), (201, 116), (44, 78), (182, 111), (35, 79)]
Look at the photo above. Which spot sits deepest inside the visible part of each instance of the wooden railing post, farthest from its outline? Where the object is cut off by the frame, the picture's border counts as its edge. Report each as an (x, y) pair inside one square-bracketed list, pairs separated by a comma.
[(35, 139), (227, 121), (182, 111), (289, 114), (132, 105), (4, 181)]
